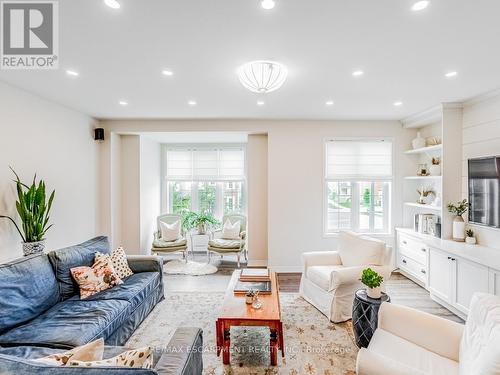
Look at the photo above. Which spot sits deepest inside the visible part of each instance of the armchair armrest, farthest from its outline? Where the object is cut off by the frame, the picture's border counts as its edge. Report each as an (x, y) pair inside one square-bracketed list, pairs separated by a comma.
[(370, 363), (243, 234), (145, 263), (320, 258), (439, 335), (350, 275)]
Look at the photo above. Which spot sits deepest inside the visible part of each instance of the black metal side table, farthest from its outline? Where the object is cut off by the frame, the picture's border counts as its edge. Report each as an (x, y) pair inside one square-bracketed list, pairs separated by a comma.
[(365, 316)]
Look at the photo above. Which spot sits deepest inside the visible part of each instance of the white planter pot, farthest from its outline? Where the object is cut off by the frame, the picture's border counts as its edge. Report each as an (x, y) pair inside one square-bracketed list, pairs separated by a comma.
[(435, 170), (418, 142), (374, 293), (458, 229), (470, 240)]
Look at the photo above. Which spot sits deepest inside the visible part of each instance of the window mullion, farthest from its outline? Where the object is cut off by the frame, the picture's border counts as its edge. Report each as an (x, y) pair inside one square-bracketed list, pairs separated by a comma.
[(355, 206), (371, 214)]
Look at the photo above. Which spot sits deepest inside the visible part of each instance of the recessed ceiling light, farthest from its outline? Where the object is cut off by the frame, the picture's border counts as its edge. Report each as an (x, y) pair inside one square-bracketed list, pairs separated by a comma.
[(123, 103), (192, 103), (329, 102), (167, 73), (260, 103), (397, 103), (420, 5), (112, 4), (72, 73), (357, 73), (451, 74), (267, 4)]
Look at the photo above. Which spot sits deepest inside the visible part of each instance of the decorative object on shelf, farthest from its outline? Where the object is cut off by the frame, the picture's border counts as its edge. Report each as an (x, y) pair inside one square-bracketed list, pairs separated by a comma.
[(373, 281), (33, 209), (262, 77), (433, 141), (422, 170), (427, 224), (435, 168), (256, 303), (418, 142), (202, 222), (437, 200), (365, 316), (249, 296), (470, 239), (425, 195), (458, 210)]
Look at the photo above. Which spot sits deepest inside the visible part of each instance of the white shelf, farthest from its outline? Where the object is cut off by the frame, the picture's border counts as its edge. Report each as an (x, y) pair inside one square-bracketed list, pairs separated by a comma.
[(423, 206), (423, 177), (424, 150)]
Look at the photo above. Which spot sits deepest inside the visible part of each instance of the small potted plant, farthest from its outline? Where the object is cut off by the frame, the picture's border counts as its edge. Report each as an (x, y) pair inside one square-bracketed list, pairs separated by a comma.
[(202, 222), (435, 168), (249, 296), (458, 210), (373, 281), (470, 239)]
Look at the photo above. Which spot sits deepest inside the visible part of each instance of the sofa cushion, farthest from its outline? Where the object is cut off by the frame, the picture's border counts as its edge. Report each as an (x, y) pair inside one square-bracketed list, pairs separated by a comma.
[(480, 345), (400, 350), (358, 250), (225, 244), (74, 256), (28, 287), (70, 323), (167, 244)]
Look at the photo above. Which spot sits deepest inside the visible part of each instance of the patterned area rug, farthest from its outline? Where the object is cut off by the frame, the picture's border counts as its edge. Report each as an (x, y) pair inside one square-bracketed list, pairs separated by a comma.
[(180, 267), (314, 346)]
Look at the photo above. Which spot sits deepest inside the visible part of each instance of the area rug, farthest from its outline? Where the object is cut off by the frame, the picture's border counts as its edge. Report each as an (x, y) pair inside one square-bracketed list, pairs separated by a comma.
[(314, 346), (180, 267)]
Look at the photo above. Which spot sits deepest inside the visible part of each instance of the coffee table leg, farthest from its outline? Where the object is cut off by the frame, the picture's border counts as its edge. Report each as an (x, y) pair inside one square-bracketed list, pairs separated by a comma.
[(274, 347), (226, 346), (218, 339), (281, 340)]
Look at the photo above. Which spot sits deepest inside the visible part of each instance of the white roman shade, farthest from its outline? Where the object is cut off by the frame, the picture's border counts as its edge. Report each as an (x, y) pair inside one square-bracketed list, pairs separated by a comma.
[(205, 163), (358, 159)]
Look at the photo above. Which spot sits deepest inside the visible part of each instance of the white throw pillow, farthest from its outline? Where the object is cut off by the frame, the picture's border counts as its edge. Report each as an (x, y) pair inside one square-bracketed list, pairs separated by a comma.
[(358, 250), (480, 345), (231, 231), (170, 232)]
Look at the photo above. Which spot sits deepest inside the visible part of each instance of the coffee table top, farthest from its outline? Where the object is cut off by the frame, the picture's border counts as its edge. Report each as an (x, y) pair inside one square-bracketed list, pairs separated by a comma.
[(234, 306)]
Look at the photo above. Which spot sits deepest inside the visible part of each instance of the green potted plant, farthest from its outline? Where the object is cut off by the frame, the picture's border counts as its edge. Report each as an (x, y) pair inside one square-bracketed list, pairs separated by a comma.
[(33, 209), (458, 210), (373, 281), (202, 221), (470, 239)]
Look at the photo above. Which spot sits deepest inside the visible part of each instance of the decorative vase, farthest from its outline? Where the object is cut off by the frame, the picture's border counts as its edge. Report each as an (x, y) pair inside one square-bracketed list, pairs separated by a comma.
[(249, 299), (470, 240), (458, 229), (435, 170), (30, 248), (418, 142), (374, 293), (202, 229)]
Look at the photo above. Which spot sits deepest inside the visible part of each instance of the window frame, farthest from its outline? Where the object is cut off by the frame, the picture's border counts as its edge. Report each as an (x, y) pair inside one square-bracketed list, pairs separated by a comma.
[(387, 231)]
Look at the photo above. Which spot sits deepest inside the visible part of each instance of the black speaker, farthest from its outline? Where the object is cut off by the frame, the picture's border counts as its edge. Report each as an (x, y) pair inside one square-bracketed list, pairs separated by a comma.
[(99, 134)]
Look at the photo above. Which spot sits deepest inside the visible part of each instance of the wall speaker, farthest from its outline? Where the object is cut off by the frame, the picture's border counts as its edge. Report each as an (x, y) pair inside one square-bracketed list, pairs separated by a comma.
[(99, 134)]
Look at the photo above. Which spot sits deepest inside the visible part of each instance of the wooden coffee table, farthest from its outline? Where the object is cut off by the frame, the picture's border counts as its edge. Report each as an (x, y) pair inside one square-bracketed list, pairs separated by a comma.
[(235, 312)]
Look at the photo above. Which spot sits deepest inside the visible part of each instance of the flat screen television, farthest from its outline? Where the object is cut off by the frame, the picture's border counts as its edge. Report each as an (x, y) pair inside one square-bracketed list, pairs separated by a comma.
[(484, 191)]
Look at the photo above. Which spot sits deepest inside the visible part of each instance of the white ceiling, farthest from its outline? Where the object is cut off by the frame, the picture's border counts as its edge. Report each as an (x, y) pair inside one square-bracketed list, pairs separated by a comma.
[(120, 55), (196, 137)]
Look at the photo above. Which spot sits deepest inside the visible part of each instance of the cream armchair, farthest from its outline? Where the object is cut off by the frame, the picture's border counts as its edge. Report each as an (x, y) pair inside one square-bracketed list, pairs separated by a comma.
[(161, 247), (330, 278), (222, 246), (411, 342)]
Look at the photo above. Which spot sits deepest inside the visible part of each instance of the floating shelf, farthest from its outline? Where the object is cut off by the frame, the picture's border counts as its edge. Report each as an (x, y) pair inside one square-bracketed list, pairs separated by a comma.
[(423, 177), (424, 150), (423, 206)]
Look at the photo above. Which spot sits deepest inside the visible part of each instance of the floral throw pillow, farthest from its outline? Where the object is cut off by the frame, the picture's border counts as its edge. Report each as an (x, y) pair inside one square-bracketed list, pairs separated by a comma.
[(119, 259), (95, 279), (140, 358), (92, 351)]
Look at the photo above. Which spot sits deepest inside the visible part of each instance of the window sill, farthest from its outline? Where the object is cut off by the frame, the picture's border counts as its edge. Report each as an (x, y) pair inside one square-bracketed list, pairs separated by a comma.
[(374, 235)]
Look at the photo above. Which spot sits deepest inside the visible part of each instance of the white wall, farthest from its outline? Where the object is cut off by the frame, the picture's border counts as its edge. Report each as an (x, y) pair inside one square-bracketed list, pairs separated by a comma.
[(38, 136), (481, 137)]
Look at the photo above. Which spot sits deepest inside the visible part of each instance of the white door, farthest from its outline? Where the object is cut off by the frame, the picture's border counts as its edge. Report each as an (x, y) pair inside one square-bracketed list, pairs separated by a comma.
[(440, 267), (468, 278), (495, 282)]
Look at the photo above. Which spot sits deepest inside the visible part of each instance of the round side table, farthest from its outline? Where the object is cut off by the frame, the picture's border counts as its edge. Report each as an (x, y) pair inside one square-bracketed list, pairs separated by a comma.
[(365, 316)]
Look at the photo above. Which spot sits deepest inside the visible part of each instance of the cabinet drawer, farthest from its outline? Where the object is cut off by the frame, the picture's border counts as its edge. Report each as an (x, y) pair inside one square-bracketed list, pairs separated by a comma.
[(413, 248), (416, 269)]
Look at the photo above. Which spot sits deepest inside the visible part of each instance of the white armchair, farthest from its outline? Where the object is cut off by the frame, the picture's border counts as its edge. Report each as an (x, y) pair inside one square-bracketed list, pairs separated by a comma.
[(330, 278), (411, 342)]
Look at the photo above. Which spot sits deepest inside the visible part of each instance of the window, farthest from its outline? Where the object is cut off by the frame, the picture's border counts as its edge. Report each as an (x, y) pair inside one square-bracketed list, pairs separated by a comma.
[(358, 178), (204, 178)]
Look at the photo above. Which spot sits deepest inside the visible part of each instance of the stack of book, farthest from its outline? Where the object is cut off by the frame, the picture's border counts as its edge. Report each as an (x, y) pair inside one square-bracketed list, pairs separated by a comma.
[(256, 279)]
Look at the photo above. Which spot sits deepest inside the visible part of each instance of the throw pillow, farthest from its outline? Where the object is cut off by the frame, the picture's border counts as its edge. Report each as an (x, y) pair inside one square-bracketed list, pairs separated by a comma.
[(95, 279), (92, 351), (358, 250), (120, 264), (170, 232), (231, 231), (140, 358)]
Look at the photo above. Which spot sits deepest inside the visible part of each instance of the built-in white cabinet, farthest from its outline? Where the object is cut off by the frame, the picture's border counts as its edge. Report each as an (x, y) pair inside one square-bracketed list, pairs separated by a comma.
[(468, 278), (495, 282), (413, 258), (440, 275)]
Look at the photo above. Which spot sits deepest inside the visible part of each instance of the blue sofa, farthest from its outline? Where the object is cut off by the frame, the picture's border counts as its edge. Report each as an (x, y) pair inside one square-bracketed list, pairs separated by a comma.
[(41, 310)]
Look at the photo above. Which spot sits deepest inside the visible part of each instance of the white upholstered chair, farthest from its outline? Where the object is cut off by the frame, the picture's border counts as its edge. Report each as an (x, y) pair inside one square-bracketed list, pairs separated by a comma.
[(165, 247), (330, 278), (222, 246), (411, 342)]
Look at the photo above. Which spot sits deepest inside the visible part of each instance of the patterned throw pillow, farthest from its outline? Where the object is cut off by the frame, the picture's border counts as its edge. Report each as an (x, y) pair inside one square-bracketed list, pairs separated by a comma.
[(92, 351), (95, 279), (120, 264), (140, 358)]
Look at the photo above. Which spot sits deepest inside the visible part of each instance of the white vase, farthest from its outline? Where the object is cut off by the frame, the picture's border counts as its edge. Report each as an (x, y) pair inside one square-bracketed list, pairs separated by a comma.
[(374, 293), (470, 240), (458, 229), (435, 170), (418, 142)]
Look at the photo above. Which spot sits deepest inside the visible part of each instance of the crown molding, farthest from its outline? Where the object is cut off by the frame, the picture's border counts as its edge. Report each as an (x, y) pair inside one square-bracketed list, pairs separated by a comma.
[(482, 97), (427, 117)]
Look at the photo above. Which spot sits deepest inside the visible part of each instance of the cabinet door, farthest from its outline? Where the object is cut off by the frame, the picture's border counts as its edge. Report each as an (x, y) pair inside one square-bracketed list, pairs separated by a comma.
[(440, 267), (469, 278), (495, 282)]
